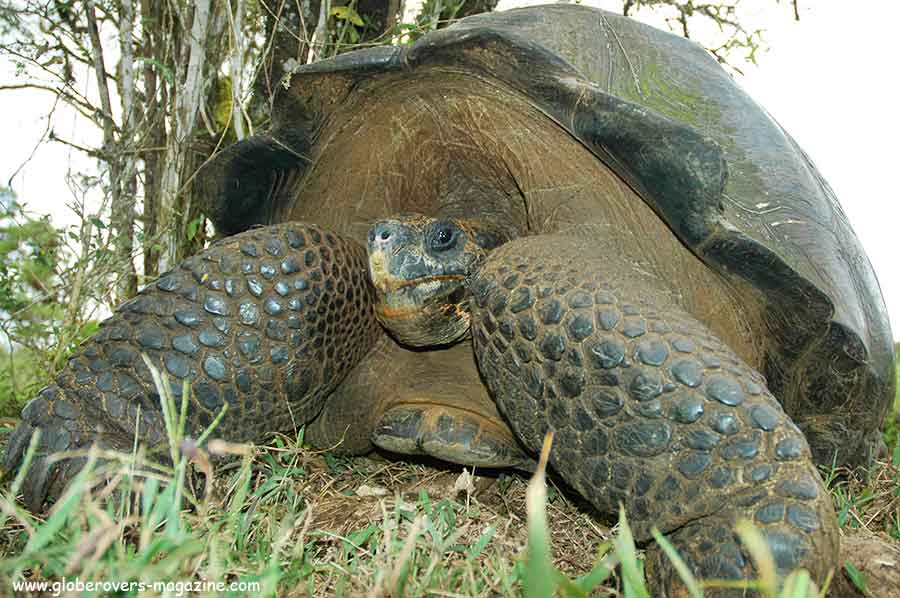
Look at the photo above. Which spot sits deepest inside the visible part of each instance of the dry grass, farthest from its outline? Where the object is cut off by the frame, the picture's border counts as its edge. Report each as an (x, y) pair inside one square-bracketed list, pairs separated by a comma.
[(354, 504), (307, 523), (869, 502)]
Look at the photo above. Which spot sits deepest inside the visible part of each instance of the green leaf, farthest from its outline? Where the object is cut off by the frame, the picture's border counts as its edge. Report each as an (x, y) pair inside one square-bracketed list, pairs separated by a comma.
[(482, 542), (567, 588), (360, 538), (797, 584), (167, 73), (331, 462), (151, 488), (602, 570), (193, 226), (425, 502), (346, 13)]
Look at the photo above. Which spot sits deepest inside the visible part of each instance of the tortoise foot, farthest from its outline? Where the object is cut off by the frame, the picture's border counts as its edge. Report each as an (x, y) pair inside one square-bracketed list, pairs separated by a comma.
[(417, 403), (795, 524), (449, 434), (64, 428)]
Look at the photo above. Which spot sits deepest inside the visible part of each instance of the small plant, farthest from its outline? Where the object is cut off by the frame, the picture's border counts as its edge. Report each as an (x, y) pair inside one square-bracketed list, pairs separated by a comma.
[(50, 294)]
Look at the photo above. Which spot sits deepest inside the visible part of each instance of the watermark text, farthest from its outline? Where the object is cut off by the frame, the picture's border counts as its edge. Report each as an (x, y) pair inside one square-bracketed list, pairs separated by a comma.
[(173, 588)]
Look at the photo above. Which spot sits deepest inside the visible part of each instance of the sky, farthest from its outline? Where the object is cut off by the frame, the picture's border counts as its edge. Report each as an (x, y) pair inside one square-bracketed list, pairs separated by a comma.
[(831, 80)]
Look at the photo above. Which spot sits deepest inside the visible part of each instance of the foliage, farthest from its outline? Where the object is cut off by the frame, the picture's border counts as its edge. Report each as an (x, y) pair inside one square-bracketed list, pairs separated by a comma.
[(42, 319), (29, 309), (29, 257), (734, 39)]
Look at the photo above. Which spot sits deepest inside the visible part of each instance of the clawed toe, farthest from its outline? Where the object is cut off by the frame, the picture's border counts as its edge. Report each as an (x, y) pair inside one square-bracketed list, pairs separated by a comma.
[(49, 469), (15, 448), (41, 473)]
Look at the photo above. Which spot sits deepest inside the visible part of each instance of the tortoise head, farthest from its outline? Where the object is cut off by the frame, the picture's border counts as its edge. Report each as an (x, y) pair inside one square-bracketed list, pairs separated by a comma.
[(420, 267)]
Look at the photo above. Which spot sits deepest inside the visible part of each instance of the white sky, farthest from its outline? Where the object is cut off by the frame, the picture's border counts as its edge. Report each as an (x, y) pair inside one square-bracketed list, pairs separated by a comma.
[(831, 80)]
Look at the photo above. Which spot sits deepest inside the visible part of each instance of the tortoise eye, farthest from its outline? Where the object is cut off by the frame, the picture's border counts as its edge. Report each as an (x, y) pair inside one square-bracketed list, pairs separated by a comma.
[(443, 237)]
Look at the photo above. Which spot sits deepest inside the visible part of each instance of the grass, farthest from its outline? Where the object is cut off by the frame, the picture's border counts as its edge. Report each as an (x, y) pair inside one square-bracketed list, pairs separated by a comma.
[(871, 501), (301, 522), (892, 425)]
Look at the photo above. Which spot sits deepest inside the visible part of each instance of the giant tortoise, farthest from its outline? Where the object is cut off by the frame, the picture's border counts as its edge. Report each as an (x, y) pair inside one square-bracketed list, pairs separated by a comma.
[(547, 219)]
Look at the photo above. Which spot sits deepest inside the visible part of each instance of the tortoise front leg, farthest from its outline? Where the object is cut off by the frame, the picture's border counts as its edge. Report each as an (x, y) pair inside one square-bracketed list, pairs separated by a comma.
[(648, 409), (268, 322)]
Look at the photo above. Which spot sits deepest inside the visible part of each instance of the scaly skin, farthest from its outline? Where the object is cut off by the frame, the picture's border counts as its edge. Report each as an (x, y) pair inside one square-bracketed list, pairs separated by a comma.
[(268, 321), (648, 409)]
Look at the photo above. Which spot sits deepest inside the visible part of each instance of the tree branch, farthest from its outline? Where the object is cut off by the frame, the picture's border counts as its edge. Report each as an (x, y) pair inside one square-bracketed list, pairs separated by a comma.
[(318, 42), (70, 94), (122, 209), (100, 71), (94, 153), (236, 18)]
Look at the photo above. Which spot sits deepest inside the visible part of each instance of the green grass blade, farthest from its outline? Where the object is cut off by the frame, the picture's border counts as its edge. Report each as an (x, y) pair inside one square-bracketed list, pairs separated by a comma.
[(205, 434), (857, 577), (823, 591), (479, 546), (26, 463), (568, 588), (602, 570), (797, 585), (632, 576), (20, 475), (540, 575), (759, 550), (680, 566), (167, 406)]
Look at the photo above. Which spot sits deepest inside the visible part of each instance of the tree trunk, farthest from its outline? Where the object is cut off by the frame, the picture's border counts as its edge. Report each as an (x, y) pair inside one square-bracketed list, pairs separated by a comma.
[(121, 202), (154, 138), (176, 162), (122, 211), (236, 19)]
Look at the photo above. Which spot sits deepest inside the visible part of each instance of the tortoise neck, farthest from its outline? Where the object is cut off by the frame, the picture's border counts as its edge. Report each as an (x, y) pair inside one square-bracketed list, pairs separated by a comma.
[(489, 234), (488, 206)]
